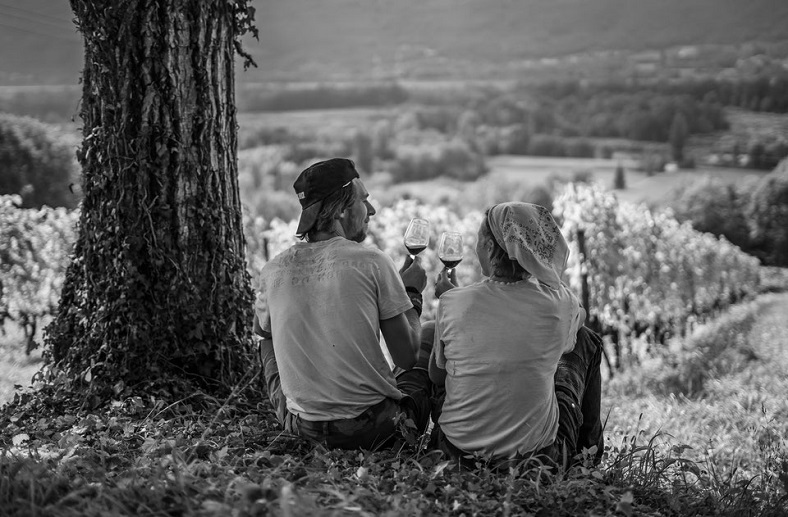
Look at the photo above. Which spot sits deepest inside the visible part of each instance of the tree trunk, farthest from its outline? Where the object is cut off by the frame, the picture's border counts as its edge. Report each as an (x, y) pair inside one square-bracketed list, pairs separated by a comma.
[(158, 287)]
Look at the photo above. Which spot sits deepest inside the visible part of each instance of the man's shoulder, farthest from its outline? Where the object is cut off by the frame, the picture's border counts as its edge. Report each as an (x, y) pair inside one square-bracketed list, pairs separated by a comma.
[(360, 250)]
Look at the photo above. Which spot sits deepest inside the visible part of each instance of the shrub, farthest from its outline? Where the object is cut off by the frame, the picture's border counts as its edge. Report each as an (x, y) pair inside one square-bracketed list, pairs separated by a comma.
[(716, 207), (452, 159), (50, 104), (619, 180), (320, 97), (37, 163), (546, 145), (767, 214)]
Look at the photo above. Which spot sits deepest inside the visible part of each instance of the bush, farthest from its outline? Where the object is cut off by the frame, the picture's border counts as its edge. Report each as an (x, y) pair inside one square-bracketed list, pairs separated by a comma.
[(50, 104), (452, 159), (767, 214), (320, 97), (619, 180), (547, 145), (37, 163), (716, 207)]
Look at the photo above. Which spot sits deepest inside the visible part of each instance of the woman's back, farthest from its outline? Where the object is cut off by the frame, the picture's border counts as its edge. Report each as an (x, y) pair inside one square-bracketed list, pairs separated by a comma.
[(500, 344)]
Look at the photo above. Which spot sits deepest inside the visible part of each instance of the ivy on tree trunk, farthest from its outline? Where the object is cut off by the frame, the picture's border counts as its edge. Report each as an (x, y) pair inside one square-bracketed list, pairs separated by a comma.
[(158, 288)]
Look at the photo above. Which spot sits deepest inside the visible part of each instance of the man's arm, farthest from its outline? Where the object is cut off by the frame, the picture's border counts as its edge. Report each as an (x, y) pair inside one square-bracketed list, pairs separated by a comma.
[(402, 337), (258, 330), (403, 332)]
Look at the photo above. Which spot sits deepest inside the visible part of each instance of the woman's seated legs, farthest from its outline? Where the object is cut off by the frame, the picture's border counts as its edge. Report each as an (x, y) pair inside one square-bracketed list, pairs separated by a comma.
[(578, 386)]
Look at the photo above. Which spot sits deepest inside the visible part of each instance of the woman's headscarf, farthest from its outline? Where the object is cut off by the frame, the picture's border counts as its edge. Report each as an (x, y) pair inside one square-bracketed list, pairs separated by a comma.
[(530, 235)]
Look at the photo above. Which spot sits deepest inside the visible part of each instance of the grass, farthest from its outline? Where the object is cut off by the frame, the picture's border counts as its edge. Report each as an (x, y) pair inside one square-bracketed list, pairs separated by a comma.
[(719, 450)]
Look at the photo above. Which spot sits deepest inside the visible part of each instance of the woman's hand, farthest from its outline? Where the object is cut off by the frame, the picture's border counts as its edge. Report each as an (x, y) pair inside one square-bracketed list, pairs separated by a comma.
[(445, 281)]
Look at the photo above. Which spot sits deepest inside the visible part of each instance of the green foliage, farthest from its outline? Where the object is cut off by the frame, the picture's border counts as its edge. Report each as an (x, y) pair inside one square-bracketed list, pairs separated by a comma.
[(37, 163), (36, 251), (716, 207), (320, 97), (679, 130), (751, 214), (768, 217), (452, 159), (619, 180), (49, 104), (712, 351), (645, 268), (619, 111)]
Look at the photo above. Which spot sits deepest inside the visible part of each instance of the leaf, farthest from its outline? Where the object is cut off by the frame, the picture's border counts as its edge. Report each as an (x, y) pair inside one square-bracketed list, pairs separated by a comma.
[(439, 468), (362, 473), (20, 438), (625, 504)]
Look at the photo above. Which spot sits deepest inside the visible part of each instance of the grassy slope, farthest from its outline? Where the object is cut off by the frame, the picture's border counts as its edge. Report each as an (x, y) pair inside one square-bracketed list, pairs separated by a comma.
[(311, 39), (737, 425), (147, 456)]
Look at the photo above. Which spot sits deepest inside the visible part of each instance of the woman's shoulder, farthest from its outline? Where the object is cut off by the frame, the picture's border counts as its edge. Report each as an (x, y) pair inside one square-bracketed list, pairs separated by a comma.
[(464, 292)]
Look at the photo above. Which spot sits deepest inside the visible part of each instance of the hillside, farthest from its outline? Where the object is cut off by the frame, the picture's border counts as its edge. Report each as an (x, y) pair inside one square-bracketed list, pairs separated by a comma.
[(345, 39)]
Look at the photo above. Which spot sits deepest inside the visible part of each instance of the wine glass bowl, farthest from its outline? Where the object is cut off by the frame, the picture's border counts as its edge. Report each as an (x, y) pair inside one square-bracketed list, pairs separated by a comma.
[(417, 236), (450, 249)]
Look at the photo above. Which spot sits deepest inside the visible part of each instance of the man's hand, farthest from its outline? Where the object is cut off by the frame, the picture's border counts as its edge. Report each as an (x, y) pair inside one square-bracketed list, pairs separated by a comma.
[(445, 281), (413, 275)]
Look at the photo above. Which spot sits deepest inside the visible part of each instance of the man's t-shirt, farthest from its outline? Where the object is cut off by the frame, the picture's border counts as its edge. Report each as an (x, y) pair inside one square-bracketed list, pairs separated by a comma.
[(500, 348), (322, 302)]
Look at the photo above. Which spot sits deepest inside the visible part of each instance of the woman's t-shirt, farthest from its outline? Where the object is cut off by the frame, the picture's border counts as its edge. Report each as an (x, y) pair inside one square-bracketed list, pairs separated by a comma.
[(500, 344)]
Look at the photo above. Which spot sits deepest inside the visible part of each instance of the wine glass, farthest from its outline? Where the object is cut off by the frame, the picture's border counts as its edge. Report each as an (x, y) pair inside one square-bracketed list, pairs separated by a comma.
[(417, 236), (450, 249)]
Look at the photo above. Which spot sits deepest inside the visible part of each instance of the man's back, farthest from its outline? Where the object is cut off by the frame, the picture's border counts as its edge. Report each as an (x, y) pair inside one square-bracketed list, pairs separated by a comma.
[(323, 302)]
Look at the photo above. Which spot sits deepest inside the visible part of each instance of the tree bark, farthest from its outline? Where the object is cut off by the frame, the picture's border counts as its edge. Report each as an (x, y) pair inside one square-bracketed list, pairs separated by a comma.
[(158, 286)]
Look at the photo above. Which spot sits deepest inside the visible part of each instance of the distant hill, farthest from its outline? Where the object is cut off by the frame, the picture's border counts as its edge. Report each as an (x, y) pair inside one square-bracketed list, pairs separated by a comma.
[(345, 39)]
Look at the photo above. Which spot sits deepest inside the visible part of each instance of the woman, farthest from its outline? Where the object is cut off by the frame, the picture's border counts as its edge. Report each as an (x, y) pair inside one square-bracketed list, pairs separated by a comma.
[(521, 372)]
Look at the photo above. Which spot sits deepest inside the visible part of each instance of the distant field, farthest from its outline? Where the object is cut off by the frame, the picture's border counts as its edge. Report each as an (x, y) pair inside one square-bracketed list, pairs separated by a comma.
[(653, 190), (314, 120), (532, 171)]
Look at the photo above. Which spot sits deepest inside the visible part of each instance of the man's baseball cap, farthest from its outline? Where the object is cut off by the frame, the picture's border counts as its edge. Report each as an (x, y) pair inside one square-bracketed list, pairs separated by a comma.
[(316, 183)]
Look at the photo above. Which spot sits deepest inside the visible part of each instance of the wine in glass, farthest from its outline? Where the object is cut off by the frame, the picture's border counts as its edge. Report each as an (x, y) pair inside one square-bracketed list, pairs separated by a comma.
[(417, 236), (450, 249)]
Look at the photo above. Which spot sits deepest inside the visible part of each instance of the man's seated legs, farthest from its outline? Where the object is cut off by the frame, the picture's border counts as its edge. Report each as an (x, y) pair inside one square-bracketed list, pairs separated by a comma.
[(373, 427)]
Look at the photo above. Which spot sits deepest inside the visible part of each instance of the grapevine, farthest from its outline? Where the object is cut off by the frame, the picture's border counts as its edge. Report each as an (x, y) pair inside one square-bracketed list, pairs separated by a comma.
[(36, 250), (644, 269)]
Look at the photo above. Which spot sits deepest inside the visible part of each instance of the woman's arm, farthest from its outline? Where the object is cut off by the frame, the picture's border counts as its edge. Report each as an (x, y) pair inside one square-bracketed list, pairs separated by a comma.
[(437, 374)]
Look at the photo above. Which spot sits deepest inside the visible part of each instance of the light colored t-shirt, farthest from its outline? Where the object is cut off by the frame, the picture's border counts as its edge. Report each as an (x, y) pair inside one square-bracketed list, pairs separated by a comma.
[(322, 302), (500, 345)]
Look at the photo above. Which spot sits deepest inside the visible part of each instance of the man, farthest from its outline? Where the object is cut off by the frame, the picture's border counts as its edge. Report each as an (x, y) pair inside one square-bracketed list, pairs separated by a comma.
[(322, 306)]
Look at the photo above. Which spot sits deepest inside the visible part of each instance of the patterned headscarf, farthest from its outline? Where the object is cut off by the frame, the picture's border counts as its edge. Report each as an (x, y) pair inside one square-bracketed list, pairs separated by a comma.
[(530, 235)]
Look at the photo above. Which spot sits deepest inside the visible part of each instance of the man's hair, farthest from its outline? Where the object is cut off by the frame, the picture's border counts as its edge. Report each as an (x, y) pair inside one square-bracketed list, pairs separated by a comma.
[(500, 263), (333, 205)]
